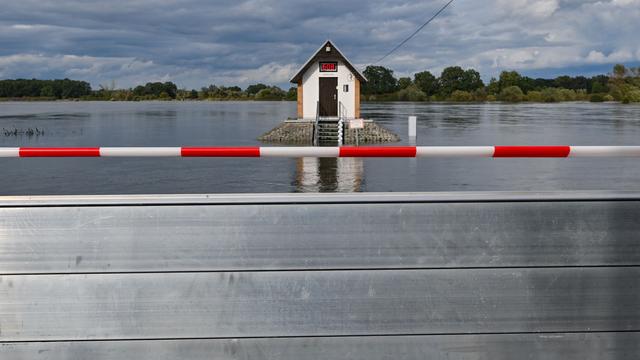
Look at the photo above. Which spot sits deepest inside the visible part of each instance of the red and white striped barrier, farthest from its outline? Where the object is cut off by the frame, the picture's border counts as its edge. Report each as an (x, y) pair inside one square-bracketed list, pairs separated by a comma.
[(343, 151)]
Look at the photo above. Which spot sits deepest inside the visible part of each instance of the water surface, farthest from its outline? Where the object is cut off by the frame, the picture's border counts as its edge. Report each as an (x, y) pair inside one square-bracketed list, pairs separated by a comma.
[(240, 123)]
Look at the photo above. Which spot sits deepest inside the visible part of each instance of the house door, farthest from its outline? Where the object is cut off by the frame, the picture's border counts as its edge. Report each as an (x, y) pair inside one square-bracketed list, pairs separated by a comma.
[(328, 96)]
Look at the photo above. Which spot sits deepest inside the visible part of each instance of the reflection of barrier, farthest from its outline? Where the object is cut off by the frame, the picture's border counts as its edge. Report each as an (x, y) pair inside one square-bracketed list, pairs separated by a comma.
[(343, 151)]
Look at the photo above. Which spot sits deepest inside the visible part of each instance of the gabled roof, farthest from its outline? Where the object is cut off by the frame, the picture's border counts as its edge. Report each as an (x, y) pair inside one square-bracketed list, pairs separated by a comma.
[(322, 55)]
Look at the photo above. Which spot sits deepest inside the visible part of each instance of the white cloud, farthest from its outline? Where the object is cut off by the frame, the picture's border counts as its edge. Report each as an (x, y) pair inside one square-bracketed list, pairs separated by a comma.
[(24, 26), (549, 57), (626, 2), (98, 69), (622, 55), (533, 8), (128, 72), (272, 73)]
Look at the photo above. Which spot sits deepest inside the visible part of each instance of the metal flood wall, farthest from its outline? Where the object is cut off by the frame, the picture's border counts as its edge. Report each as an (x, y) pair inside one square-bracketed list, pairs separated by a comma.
[(467, 276)]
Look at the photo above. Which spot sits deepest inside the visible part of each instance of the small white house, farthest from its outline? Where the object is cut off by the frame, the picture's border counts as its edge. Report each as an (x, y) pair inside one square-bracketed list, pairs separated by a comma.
[(328, 84)]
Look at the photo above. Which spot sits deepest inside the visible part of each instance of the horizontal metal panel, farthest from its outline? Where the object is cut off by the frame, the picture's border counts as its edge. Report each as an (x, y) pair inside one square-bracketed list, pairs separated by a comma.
[(318, 236), (592, 346), (313, 303), (314, 198)]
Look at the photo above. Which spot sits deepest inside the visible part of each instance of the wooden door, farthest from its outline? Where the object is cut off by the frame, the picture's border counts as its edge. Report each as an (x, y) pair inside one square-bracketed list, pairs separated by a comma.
[(328, 96)]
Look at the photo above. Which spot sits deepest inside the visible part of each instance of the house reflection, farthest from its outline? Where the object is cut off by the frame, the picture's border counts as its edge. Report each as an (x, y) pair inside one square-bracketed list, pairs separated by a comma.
[(329, 174)]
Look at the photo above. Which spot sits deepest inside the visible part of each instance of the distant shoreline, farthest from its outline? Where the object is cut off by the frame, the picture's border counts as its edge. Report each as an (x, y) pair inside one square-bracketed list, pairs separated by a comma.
[(454, 85), (452, 102), (132, 101)]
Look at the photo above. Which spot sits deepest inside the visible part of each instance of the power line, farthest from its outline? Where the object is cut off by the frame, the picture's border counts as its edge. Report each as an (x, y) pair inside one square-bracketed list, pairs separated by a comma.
[(415, 32)]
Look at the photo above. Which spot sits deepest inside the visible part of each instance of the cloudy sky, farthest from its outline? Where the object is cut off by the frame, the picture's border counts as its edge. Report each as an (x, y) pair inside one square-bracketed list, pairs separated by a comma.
[(200, 42)]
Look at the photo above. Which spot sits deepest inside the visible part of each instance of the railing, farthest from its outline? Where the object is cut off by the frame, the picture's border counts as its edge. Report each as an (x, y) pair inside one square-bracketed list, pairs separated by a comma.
[(315, 125), (341, 116)]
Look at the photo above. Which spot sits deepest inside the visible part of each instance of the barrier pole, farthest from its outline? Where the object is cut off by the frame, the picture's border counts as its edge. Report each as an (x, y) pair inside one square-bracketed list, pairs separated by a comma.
[(562, 151)]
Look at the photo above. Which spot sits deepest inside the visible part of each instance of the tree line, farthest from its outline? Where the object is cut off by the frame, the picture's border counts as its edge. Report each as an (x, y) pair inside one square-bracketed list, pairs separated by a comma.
[(453, 84), (458, 84), (74, 89), (169, 91), (50, 89)]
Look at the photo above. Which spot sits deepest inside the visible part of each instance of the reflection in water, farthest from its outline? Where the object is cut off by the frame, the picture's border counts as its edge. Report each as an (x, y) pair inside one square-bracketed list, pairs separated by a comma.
[(329, 174)]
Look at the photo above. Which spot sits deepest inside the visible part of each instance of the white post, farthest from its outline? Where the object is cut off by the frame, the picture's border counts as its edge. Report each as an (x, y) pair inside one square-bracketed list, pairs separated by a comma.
[(412, 126)]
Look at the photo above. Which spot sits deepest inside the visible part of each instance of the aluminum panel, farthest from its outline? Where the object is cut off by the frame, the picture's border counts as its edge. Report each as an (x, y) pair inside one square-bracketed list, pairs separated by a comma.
[(591, 346), (318, 303), (315, 198), (318, 236)]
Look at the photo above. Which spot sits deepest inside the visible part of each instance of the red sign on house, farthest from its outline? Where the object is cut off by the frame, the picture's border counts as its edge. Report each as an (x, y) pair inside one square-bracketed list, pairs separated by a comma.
[(329, 66)]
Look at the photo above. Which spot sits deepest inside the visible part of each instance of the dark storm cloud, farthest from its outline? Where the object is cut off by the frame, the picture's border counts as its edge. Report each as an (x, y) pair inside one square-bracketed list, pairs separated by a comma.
[(198, 42)]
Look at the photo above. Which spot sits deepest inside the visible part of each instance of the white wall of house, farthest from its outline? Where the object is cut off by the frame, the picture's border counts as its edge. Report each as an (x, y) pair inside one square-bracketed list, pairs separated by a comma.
[(311, 89)]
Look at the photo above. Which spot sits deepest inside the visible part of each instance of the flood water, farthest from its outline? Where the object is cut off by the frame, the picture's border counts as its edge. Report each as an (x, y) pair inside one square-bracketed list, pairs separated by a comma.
[(92, 124)]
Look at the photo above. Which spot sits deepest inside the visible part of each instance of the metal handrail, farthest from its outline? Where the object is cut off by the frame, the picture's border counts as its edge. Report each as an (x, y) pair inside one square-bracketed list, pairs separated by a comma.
[(315, 125), (341, 113)]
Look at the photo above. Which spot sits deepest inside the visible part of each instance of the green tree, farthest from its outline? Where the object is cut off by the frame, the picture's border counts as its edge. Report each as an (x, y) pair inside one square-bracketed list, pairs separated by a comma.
[(632, 96), (380, 80), (471, 80), (480, 94), (534, 96), (508, 79), (494, 87), (451, 80), (568, 94), (404, 82), (598, 88), (563, 82), (411, 93), (511, 94), (572, 83), (47, 91), (527, 84), (540, 84), (271, 93), (156, 90), (292, 94), (551, 95), (461, 96), (619, 71), (426, 82), (599, 85), (170, 88), (254, 89), (61, 89), (455, 78)]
